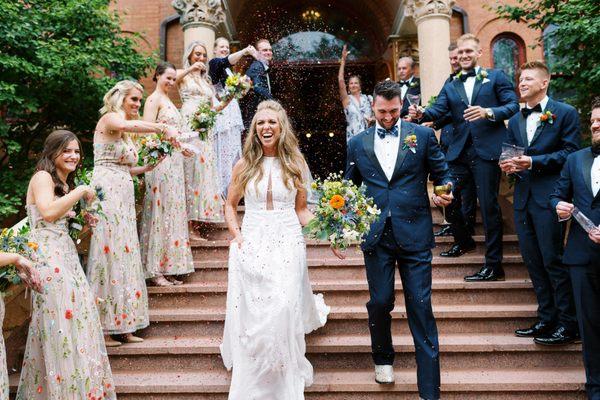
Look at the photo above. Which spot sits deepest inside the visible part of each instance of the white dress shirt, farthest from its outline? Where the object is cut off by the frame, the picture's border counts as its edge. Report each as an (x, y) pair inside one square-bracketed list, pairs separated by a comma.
[(405, 88), (533, 120), (469, 85), (386, 150), (595, 172)]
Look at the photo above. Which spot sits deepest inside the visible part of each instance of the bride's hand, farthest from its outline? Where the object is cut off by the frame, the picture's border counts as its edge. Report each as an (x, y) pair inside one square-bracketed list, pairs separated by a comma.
[(238, 239), (338, 253)]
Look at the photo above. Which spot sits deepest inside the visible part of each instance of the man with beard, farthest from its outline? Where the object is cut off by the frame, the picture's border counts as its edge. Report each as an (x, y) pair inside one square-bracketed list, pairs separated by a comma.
[(579, 188), (479, 101), (549, 131)]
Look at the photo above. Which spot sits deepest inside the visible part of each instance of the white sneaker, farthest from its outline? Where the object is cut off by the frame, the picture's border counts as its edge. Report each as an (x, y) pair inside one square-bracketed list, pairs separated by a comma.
[(384, 374)]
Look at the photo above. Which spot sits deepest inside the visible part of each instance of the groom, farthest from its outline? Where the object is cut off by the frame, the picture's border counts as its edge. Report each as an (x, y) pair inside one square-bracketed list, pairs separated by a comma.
[(394, 160)]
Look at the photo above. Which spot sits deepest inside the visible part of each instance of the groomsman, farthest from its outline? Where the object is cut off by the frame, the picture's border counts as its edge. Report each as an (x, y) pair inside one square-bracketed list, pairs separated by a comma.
[(548, 131), (480, 100), (409, 84), (469, 197), (579, 186), (261, 82), (394, 159)]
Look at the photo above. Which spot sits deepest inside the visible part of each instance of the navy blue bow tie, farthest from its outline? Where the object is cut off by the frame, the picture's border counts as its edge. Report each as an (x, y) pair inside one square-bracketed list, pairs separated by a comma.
[(527, 111), (404, 83), (464, 75), (382, 132)]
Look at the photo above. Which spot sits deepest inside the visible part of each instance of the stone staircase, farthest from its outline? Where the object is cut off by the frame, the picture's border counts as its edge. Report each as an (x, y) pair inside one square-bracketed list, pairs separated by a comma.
[(480, 357)]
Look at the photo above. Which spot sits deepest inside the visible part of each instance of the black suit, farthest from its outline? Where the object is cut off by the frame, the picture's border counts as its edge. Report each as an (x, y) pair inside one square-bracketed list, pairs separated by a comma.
[(261, 85), (414, 87), (402, 236), (583, 257), (540, 234)]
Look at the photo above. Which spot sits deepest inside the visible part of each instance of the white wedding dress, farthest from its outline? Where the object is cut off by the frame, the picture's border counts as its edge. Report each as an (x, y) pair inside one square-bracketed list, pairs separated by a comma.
[(270, 304)]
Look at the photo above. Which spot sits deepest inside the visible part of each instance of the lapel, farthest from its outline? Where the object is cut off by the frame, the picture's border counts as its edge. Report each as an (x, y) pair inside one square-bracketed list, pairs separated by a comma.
[(460, 89), (523, 130), (477, 86), (586, 170), (405, 130), (369, 146), (541, 126)]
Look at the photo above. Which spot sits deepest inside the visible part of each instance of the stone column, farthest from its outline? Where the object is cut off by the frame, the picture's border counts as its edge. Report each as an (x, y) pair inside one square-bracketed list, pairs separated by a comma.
[(432, 18), (199, 19)]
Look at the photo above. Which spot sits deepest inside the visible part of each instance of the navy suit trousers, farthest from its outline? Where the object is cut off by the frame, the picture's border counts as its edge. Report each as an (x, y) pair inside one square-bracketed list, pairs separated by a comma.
[(468, 168), (540, 239), (586, 288), (415, 272)]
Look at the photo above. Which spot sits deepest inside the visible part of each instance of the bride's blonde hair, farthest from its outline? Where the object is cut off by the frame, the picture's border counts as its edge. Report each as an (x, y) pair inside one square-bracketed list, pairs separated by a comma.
[(293, 164)]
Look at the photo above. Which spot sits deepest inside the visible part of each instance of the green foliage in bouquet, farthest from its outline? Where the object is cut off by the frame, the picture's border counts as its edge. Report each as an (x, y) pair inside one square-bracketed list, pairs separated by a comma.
[(153, 147), (85, 213), (204, 119), (12, 241), (344, 213)]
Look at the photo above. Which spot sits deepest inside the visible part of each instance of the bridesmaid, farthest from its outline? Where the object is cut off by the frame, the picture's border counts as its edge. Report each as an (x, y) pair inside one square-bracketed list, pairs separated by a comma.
[(229, 125), (65, 357), (165, 243), (202, 184), (31, 278), (115, 267)]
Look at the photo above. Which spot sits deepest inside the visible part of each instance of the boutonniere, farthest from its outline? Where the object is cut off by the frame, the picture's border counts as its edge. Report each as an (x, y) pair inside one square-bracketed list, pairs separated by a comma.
[(410, 143), (414, 84), (547, 117), (483, 76)]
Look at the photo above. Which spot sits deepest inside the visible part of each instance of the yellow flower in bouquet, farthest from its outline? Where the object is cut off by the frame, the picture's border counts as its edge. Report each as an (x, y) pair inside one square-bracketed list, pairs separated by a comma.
[(12, 241), (237, 85)]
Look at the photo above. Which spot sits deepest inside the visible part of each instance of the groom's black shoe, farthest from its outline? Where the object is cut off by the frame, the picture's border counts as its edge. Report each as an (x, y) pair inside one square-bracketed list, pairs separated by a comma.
[(538, 329), (446, 230), (458, 250), (559, 336), (485, 274)]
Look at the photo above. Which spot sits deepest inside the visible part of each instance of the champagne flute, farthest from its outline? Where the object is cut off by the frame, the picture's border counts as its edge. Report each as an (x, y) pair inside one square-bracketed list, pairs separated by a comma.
[(413, 99), (439, 190)]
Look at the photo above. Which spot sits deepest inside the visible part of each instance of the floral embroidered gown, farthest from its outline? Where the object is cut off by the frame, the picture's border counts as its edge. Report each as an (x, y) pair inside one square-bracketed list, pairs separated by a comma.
[(114, 267), (355, 113), (3, 370), (270, 304), (202, 182), (164, 233), (65, 357)]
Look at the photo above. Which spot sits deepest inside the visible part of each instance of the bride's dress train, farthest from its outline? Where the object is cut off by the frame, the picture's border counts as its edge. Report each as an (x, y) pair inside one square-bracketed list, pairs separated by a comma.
[(270, 304)]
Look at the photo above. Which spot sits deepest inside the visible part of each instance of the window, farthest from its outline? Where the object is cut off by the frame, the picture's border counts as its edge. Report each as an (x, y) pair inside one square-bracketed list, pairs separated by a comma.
[(311, 46), (508, 53)]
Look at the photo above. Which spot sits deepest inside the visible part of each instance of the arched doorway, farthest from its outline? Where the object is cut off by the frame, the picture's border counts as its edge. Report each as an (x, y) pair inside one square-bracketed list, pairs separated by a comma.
[(307, 43)]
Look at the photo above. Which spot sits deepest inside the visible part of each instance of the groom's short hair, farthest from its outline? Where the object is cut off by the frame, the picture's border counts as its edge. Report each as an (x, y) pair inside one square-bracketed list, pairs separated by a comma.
[(387, 89)]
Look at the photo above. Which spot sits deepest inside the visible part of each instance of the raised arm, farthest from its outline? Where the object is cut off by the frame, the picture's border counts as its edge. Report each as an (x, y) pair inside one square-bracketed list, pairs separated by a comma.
[(234, 58), (341, 81), (195, 67), (113, 122), (51, 208), (505, 92)]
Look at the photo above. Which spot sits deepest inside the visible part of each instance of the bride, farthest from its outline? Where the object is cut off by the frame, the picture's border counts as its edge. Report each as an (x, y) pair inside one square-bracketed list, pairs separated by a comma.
[(270, 305)]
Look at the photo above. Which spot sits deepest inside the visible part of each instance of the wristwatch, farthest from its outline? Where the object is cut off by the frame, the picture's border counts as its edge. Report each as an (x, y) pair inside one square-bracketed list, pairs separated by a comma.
[(489, 114)]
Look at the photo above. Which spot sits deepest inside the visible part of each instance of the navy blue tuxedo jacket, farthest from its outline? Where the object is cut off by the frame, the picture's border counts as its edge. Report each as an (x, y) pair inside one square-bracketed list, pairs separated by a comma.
[(415, 88), (496, 93), (575, 186), (549, 148), (258, 74), (405, 195)]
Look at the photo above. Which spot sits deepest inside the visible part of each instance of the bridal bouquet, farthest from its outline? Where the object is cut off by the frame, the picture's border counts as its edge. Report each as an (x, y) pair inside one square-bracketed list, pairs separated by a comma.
[(204, 119), (237, 85), (15, 242), (343, 214), (85, 214), (153, 147)]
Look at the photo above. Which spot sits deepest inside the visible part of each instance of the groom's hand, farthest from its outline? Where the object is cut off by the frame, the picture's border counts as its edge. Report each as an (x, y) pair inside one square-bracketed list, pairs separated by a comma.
[(443, 200), (338, 253)]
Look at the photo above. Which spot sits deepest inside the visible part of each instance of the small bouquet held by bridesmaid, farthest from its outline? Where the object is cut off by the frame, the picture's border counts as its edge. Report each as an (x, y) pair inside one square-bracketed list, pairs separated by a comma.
[(153, 148), (237, 85), (12, 241), (343, 214), (203, 119), (84, 213)]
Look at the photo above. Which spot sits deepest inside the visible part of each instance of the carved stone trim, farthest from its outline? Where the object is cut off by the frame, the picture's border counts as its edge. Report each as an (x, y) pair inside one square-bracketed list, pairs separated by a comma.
[(199, 12), (419, 9)]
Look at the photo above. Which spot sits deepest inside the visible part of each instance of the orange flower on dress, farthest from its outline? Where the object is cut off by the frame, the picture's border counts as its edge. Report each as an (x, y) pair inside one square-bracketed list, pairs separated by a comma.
[(177, 243), (196, 193), (32, 245), (337, 201), (138, 294), (154, 189), (58, 378), (202, 160), (69, 314), (158, 202), (56, 270), (123, 316), (106, 249), (40, 389), (127, 249)]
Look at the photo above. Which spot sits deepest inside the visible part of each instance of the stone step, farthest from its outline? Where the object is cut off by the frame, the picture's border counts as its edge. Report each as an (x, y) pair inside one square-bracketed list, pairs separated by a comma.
[(219, 249), (358, 384), (352, 320), (353, 267), (353, 292), (202, 353)]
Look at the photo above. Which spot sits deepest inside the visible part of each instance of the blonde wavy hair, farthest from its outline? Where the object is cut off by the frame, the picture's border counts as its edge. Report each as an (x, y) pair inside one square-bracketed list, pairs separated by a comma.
[(113, 99), (186, 58), (292, 161)]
